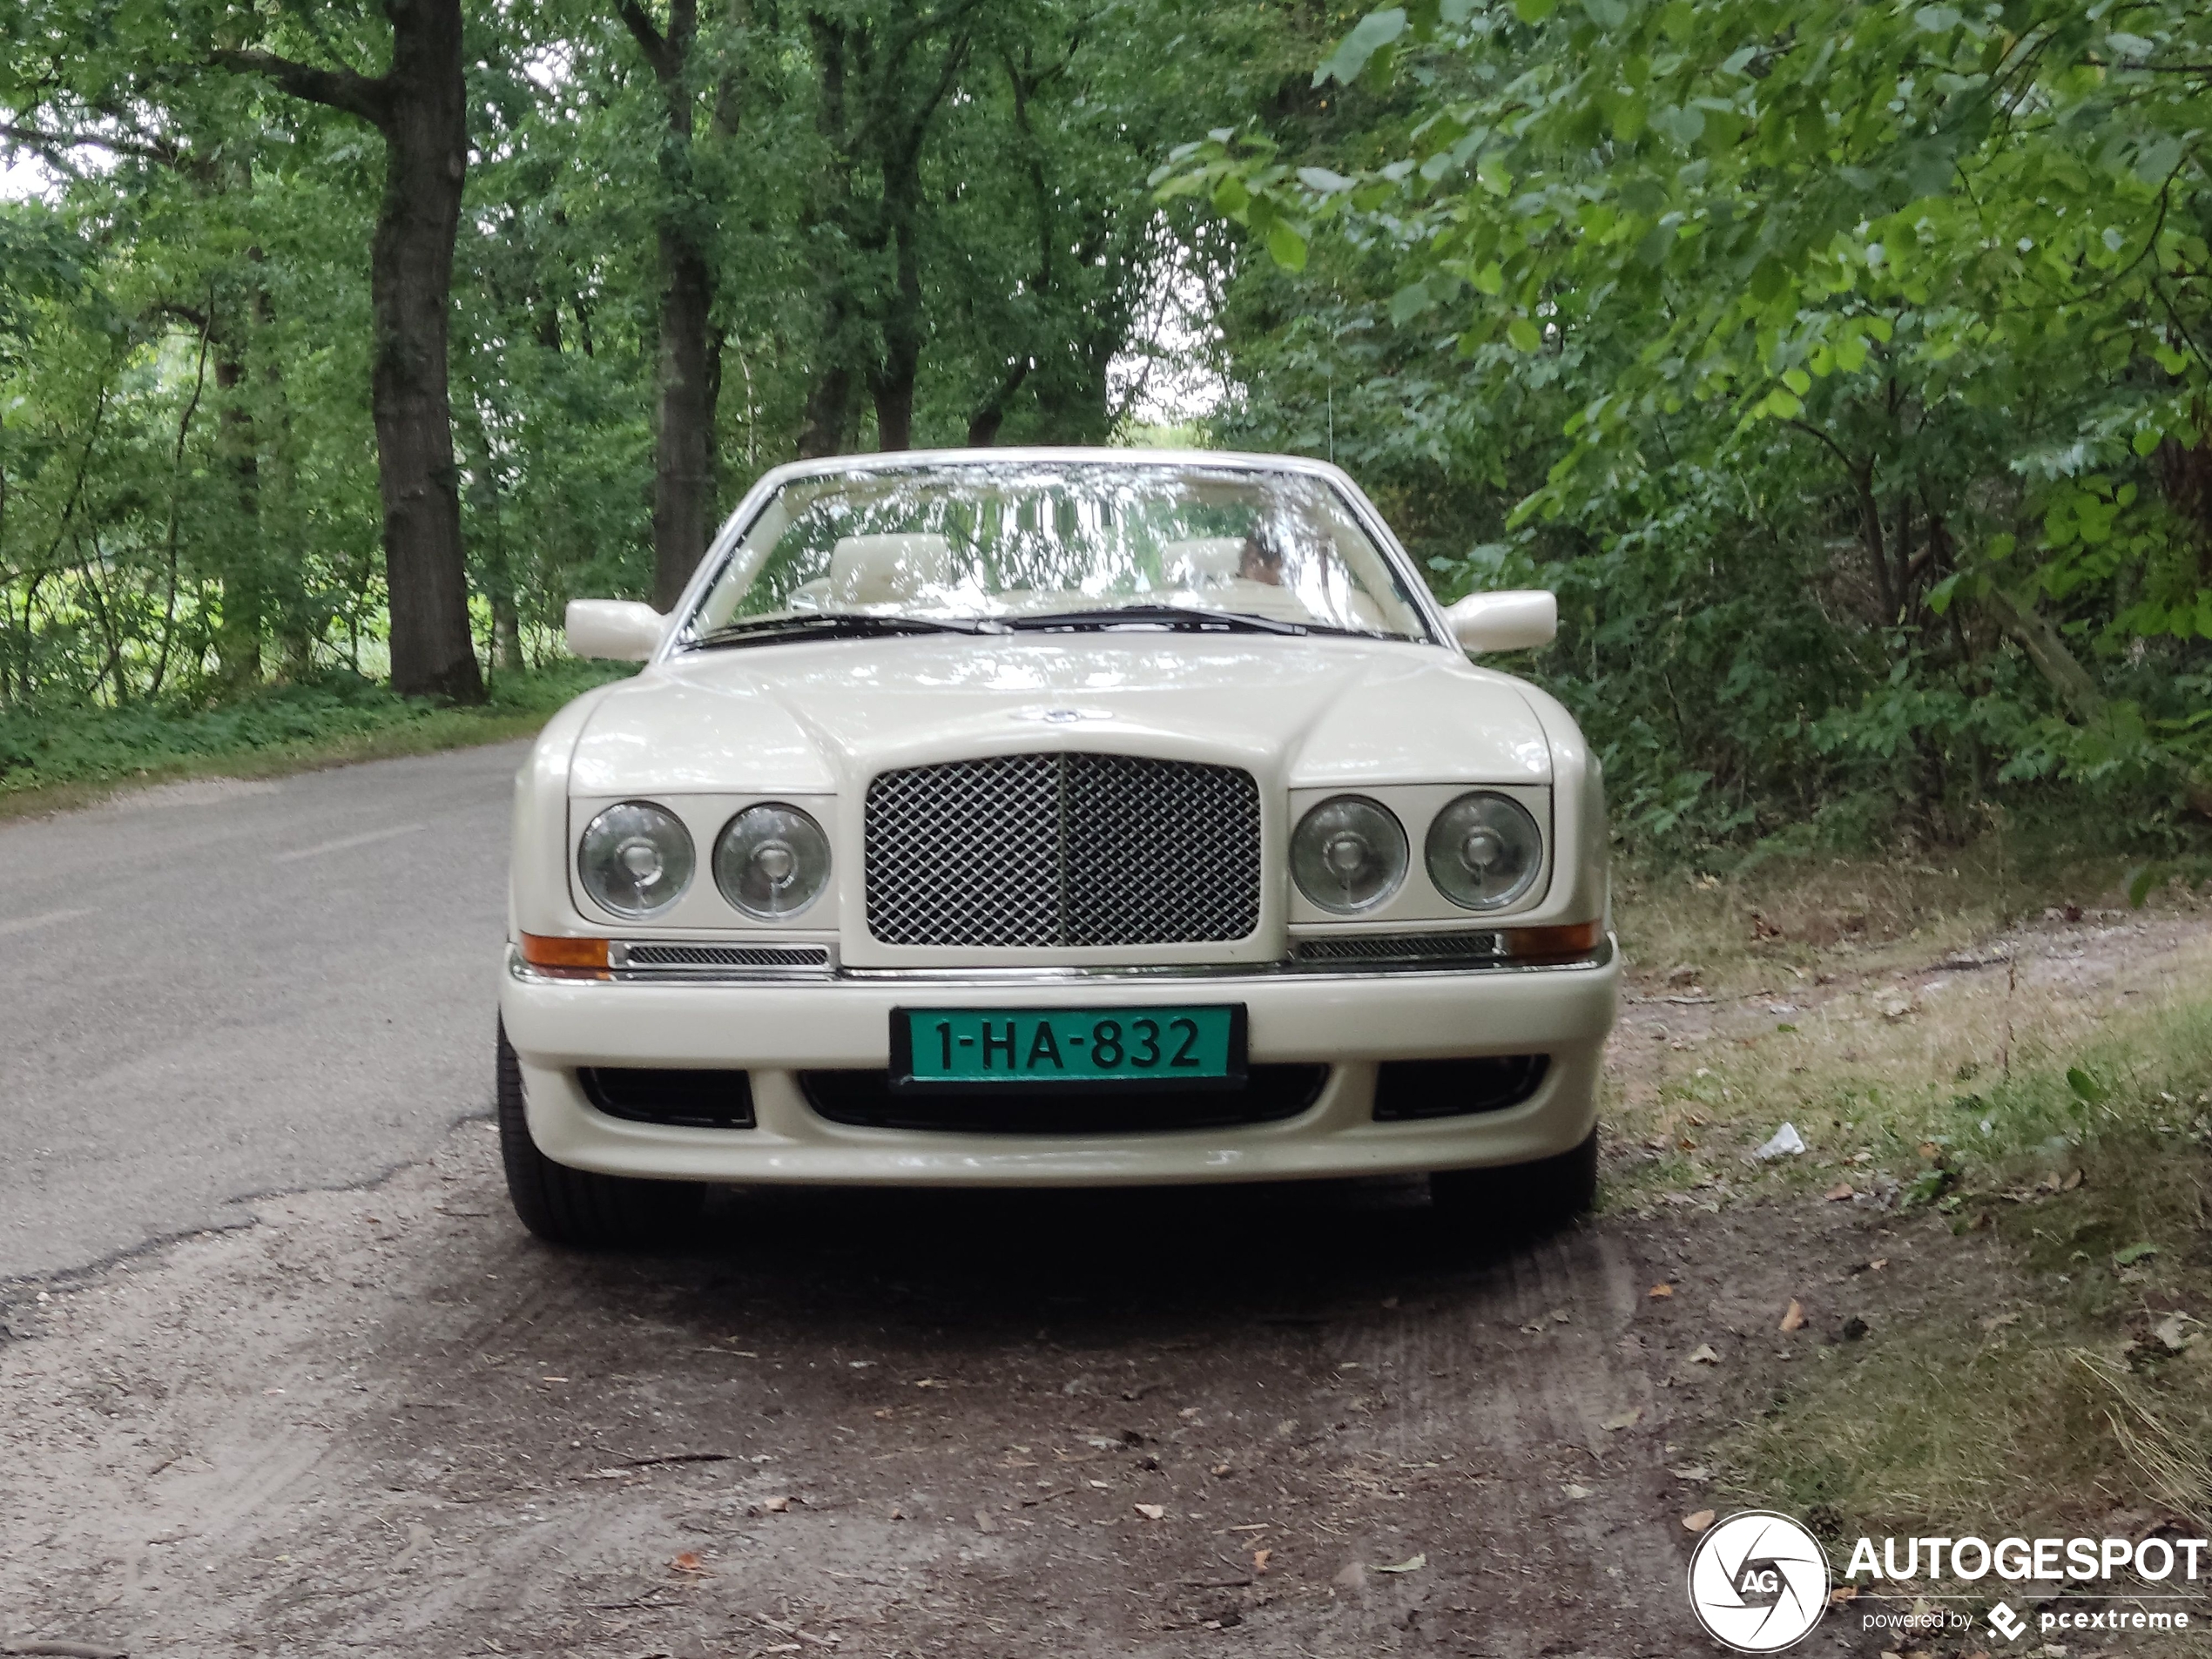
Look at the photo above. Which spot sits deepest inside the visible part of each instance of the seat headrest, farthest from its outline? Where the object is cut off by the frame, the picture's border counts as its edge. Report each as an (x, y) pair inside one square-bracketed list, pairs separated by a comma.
[(1200, 560), (875, 569)]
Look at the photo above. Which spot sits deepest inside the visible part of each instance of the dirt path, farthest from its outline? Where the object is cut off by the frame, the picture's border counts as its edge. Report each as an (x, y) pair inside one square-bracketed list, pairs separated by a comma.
[(967, 1424), (383, 1421)]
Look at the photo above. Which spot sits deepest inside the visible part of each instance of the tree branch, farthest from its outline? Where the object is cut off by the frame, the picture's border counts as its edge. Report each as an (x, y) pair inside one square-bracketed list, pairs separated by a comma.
[(336, 89), (2046, 649), (32, 139), (664, 63)]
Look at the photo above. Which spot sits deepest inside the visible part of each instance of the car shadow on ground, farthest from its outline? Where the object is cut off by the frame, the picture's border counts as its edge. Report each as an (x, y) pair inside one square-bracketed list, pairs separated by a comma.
[(997, 1264)]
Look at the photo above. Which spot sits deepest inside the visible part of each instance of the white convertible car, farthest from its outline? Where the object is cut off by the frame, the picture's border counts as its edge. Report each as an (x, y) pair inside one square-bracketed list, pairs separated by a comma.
[(1055, 817)]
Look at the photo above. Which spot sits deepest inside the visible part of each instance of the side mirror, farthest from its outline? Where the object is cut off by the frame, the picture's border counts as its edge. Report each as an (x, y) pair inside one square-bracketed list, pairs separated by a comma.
[(1512, 621), (620, 629)]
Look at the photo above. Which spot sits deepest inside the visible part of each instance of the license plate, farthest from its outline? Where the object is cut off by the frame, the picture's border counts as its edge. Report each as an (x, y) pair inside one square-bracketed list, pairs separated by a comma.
[(1087, 1049)]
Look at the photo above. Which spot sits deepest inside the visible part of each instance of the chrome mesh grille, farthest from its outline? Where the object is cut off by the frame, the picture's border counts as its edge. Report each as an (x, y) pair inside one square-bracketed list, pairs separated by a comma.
[(1046, 850)]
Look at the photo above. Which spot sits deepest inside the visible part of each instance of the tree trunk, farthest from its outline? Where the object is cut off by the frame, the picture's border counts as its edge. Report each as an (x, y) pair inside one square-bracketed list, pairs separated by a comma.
[(420, 104), (827, 422), (983, 425), (684, 429), (894, 383), (425, 157), (683, 468), (237, 557)]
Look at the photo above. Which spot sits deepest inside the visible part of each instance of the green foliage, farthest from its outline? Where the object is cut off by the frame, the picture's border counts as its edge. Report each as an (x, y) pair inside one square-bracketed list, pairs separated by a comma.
[(188, 495), (333, 714), (1843, 368)]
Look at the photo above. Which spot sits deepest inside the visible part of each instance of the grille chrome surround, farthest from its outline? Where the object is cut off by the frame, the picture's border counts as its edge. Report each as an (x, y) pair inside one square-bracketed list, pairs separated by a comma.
[(1052, 850)]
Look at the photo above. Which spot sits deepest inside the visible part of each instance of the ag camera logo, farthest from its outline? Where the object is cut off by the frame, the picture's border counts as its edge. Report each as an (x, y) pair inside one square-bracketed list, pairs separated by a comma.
[(1759, 1582)]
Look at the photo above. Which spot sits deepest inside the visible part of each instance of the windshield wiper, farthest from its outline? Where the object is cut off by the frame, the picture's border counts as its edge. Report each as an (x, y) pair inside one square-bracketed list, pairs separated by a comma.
[(1182, 618), (834, 624)]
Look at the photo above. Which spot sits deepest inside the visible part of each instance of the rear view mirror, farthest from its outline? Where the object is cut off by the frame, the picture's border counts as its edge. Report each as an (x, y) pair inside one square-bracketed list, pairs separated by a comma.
[(1512, 621), (620, 629)]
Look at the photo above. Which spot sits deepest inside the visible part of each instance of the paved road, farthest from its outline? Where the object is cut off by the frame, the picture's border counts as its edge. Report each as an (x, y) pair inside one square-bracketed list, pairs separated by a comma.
[(213, 990)]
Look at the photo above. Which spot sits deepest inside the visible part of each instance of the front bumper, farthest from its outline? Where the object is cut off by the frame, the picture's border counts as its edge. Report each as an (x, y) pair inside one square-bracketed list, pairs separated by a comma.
[(1351, 1022)]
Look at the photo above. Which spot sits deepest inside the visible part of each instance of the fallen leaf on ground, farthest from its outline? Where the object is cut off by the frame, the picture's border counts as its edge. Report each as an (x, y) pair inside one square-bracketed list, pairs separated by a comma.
[(1559, 1316), (775, 1506), (1628, 1418), (1661, 1290), (1697, 1520), (931, 1382), (688, 1561), (1411, 1564), (1260, 1558), (1702, 1354), (1576, 1492), (1878, 1263), (1842, 1594), (1838, 1193), (2173, 1332), (1152, 1511), (1793, 1317)]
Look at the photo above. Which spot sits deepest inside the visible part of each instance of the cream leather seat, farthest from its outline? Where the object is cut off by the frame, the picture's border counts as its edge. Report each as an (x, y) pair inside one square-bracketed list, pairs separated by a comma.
[(882, 569), (1200, 560)]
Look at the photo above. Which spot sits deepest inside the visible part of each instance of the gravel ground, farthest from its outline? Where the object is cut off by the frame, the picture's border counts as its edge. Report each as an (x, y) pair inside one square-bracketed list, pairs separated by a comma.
[(1272, 1421)]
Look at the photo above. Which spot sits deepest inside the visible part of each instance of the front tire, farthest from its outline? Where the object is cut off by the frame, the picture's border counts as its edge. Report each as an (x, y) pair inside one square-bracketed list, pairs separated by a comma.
[(1519, 1199), (578, 1207)]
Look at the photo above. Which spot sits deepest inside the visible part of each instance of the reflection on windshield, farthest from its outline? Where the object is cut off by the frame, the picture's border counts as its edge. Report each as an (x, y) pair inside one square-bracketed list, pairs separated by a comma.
[(1025, 539)]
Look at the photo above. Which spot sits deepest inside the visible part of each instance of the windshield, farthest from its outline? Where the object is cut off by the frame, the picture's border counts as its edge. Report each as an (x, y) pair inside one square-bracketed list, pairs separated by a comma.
[(1019, 543)]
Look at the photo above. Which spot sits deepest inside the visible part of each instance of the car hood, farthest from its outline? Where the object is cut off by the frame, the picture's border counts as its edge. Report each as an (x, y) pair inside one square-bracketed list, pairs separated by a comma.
[(809, 718)]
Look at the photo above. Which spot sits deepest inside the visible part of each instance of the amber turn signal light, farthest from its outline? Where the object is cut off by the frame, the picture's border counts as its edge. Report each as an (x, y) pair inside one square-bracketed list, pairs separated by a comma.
[(566, 958), (1577, 940)]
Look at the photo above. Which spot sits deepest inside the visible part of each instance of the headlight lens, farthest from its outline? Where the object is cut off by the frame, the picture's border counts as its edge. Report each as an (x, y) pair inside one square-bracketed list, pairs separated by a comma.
[(636, 858), (1348, 854), (1484, 851), (772, 861)]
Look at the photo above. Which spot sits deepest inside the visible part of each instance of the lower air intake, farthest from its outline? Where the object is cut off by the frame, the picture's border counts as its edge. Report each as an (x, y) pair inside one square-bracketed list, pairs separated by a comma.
[(652, 1095), (1415, 1088), (865, 1099)]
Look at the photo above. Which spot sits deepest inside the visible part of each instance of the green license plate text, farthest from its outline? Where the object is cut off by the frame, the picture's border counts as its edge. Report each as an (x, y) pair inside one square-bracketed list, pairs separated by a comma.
[(1166, 1046)]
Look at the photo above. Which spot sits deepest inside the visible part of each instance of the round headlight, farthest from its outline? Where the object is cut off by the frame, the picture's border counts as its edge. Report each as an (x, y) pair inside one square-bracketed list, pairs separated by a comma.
[(772, 861), (1484, 851), (1348, 854), (636, 858)]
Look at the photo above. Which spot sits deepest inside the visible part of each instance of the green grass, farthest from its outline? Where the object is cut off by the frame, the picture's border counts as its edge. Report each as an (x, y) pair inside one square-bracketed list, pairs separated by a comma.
[(51, 759), (2063, 1110)]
